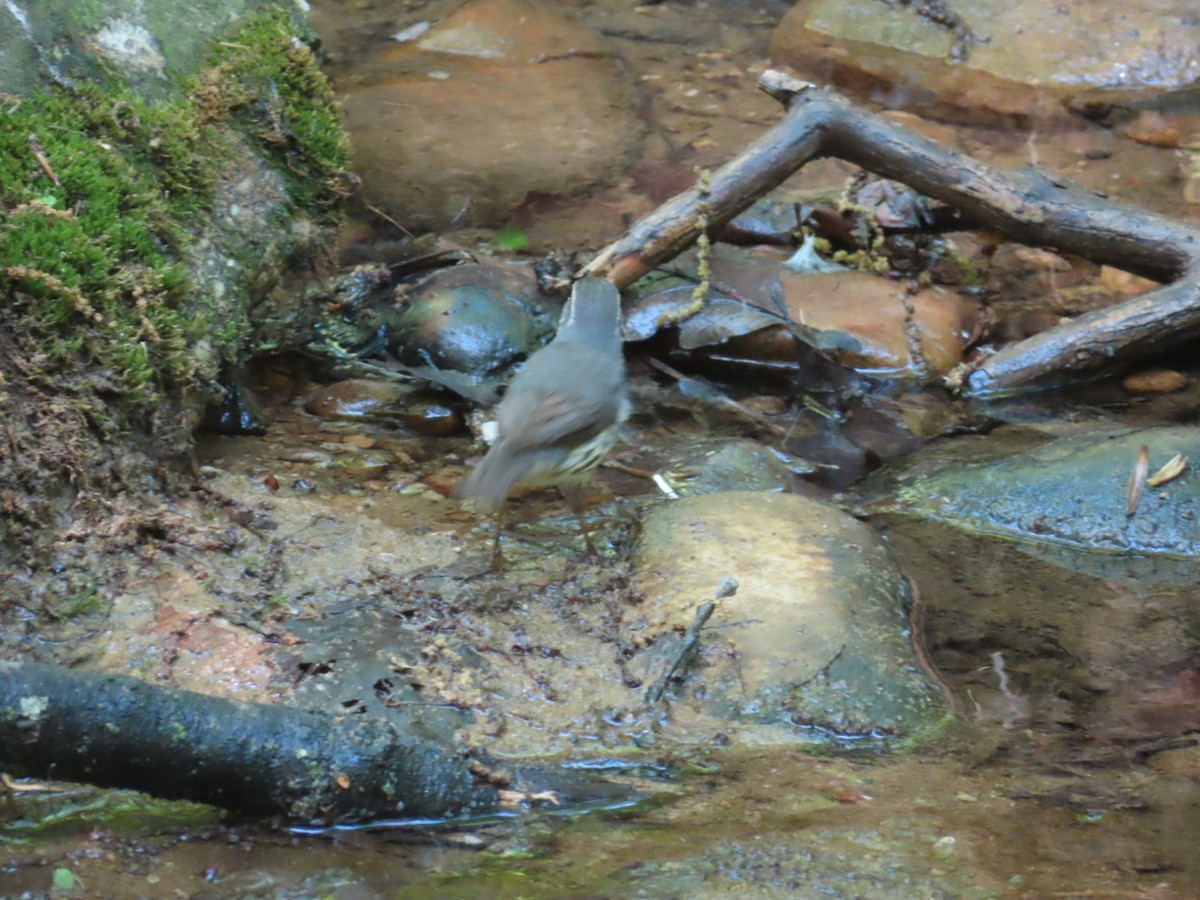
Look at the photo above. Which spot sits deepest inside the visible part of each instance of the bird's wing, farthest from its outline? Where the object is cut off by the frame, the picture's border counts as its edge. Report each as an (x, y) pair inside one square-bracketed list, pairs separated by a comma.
[(552, 419)]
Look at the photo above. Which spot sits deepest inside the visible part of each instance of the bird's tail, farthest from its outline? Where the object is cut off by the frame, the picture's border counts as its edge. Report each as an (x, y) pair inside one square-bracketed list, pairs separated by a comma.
[(490, 483)]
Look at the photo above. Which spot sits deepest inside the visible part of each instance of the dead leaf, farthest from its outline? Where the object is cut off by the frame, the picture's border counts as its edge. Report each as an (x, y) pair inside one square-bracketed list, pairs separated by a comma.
[(1136, 485), (1173, 469)]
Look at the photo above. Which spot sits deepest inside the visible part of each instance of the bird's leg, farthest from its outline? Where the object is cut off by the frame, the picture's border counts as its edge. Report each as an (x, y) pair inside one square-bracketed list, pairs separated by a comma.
[(576, 496), (497, 552)]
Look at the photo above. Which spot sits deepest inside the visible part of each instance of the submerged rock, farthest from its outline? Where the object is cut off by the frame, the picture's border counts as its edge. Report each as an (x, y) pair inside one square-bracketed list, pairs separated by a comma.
[(708, 466), (815, 639), (1072, 492), (500, 100), (1000, 61), (422, 410)]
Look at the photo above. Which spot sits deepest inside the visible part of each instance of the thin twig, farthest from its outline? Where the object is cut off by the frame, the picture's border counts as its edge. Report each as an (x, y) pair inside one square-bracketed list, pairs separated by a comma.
[(916, 628)]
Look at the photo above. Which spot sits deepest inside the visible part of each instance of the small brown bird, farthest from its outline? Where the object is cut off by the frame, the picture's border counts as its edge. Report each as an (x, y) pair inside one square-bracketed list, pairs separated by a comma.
[(563, 411)]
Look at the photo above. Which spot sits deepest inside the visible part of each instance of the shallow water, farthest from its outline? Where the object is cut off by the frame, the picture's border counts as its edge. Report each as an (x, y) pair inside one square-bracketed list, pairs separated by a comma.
[(1070, 769)]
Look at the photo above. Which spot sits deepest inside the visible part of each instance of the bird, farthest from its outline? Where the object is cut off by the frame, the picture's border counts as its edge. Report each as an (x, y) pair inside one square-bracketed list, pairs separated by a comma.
[(562, 412)]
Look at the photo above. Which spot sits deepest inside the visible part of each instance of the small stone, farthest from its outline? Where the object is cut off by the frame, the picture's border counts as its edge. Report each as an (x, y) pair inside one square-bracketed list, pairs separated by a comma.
[(355, 399), (309, 457), (1155, 381), (1125, 284), (367, 462), (767, 404), (1152, 127), (944, 846), (443, 481)]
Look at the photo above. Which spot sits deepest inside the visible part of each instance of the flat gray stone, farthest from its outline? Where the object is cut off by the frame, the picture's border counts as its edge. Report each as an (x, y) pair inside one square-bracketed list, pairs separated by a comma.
[(1071, 493)]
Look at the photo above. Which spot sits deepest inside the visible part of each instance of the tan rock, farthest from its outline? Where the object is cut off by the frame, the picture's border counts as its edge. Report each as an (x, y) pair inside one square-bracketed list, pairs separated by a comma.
[(1155, 381), (814, 635), (503, 99), (897, 333)]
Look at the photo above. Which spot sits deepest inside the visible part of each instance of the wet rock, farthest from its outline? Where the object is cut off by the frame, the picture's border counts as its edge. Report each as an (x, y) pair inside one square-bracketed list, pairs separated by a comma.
[(237, 412), (716, 464), (874, 325), (1069, 493), (355, 398), (366, 463), (1089, 56), (1183, 761), (500, 100), (778, 217), (431, 413), (813, 640), (889, 860), (420, 410), (308, 456), (474, 319), (898, 333)]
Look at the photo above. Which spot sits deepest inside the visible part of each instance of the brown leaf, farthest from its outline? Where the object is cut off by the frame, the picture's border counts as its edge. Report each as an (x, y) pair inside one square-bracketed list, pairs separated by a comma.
[(1136, 485), (1172, 469)]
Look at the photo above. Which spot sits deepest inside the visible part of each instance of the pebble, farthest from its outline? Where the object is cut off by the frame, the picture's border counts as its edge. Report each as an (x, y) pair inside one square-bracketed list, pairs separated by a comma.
[(1155, 381)]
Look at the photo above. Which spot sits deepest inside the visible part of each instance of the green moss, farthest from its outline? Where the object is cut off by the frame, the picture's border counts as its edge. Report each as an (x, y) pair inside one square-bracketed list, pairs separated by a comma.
[(80, 603), (88, 200), (267, 81), (100, 192)]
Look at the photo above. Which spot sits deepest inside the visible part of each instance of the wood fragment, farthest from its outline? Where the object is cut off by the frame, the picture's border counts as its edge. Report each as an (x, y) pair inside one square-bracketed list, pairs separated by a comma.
[(39, 153), (1136, 486), (301, 764)]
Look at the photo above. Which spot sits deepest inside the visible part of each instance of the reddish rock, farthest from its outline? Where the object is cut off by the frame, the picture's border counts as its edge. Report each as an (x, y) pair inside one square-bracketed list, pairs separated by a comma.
[(1037, 58), (502, 99)]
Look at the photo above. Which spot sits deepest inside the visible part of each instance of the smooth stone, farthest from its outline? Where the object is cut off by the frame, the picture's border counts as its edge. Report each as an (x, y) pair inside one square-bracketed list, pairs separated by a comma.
[(1155, 381), (1070, 493), (1035, 60), (356, 398), (814, 640), (500, 100), (476, 319)]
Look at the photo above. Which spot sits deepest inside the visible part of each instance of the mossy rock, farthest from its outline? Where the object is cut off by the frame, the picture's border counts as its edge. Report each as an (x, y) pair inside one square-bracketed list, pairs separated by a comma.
[(161, 171)]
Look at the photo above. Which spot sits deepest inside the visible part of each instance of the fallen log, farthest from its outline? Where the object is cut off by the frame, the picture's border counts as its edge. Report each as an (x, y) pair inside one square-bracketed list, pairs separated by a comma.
[(1029, 205), (304, 765)]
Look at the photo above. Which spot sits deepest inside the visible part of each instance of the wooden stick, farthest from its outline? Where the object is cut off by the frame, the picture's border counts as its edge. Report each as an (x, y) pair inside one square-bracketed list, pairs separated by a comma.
[(1029, 205)]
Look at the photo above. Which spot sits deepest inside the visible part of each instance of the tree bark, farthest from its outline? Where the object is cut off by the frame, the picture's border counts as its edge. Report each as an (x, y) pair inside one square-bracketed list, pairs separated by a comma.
[(304, 765)]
